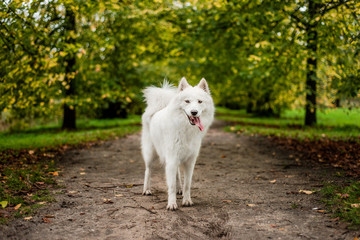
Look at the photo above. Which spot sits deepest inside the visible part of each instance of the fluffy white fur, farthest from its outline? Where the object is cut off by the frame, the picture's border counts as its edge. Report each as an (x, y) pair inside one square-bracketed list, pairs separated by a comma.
[(173, 125)]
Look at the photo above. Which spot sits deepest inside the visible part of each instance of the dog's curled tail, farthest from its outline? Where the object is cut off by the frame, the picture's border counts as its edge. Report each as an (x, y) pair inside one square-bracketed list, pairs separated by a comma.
[(158, 98)]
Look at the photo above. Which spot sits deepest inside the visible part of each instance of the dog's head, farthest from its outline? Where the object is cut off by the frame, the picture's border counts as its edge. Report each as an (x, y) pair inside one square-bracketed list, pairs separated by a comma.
[(195, 100)]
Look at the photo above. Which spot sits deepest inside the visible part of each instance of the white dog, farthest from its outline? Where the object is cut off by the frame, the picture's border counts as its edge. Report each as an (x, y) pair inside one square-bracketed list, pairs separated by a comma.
[(173, 125)]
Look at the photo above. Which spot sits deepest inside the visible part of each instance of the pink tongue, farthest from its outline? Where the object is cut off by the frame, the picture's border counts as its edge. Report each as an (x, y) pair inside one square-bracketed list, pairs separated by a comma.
[(198, 123)]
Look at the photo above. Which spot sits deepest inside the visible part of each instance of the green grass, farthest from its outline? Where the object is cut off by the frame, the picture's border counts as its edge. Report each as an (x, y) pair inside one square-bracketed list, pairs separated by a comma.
[(340, 124), (344, 202), (52, 136)]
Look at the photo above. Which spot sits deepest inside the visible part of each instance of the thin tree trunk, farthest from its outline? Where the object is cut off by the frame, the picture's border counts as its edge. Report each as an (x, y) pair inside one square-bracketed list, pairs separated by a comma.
[(311, 77), (69, 117)]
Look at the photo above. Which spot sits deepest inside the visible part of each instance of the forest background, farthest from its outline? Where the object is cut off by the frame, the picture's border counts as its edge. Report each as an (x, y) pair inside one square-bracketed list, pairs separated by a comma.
[(65, 59)]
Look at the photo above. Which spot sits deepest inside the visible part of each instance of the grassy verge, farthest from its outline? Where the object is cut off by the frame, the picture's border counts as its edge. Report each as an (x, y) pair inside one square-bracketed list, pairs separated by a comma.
[(28, 160), (344, 202), (52, 136), (337, 124), (25, 180), (334, 141)]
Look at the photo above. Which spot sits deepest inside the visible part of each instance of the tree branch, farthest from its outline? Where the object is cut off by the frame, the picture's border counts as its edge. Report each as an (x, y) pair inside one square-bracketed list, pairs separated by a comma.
[(297, 19), (328, 7)]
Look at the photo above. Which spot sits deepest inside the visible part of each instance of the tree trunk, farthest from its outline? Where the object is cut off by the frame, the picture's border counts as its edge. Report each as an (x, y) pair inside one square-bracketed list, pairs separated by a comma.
[(69, 117), (311, 77)]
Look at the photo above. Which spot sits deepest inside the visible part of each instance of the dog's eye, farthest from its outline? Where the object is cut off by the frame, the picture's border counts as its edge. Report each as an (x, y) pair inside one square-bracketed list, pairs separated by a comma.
[(199, 101), (187, 101)]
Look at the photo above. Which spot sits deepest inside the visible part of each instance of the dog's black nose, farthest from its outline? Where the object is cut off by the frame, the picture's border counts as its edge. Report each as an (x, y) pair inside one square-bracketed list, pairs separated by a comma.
[(194, 112)]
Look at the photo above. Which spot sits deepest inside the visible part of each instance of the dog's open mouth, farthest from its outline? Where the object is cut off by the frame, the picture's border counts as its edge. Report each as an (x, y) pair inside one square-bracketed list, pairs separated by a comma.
[(196, 121)]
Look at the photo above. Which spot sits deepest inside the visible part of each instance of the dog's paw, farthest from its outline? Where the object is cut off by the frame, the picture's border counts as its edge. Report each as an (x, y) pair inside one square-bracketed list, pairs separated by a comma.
[(172, 206), (179, 192), (187, 203), (147, 192)]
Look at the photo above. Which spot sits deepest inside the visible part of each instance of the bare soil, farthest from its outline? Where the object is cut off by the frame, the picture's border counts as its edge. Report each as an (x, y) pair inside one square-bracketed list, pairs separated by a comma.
[(243, 188)]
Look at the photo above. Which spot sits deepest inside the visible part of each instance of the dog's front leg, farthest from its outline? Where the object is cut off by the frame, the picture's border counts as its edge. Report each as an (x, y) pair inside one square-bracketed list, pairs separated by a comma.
[(188, 172), (179, 189), (171, 170)]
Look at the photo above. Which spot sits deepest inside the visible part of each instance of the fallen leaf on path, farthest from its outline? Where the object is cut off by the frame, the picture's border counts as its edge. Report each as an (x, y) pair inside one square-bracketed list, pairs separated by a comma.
[(274, 226), (46, 220), (355, 205), (273, 181), (27, 218), (49, 216), (119, 195), (17, 206), (289, 176), (321, 211), (132, 161), (129, 186), (41, 203), (54, 173), (223, 156), (345, 195), (82, 173), (108, 201), (251, 205), (306, 192)]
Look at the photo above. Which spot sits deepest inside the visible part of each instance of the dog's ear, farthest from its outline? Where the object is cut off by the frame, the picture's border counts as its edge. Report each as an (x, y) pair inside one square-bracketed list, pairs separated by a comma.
[(183, 84), (204, 86)]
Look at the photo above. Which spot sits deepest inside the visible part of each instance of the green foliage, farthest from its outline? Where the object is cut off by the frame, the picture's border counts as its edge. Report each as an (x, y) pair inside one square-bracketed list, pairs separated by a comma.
[(253, 53)]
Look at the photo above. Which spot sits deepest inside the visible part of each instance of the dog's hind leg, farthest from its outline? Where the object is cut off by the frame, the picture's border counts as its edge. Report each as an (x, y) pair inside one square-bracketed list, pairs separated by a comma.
[(179, 189), (149, 159), (188, 172), (149, 156)]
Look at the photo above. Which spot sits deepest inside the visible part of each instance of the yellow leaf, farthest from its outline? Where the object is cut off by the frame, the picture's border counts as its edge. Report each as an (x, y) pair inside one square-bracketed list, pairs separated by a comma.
[(4, 204)]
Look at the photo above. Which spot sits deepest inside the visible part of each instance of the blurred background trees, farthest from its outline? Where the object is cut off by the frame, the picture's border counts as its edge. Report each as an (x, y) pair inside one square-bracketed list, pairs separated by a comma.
[(61, 59)]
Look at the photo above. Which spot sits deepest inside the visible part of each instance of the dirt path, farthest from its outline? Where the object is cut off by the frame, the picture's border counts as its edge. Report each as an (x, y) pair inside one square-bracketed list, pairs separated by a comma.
[(234, 191)]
